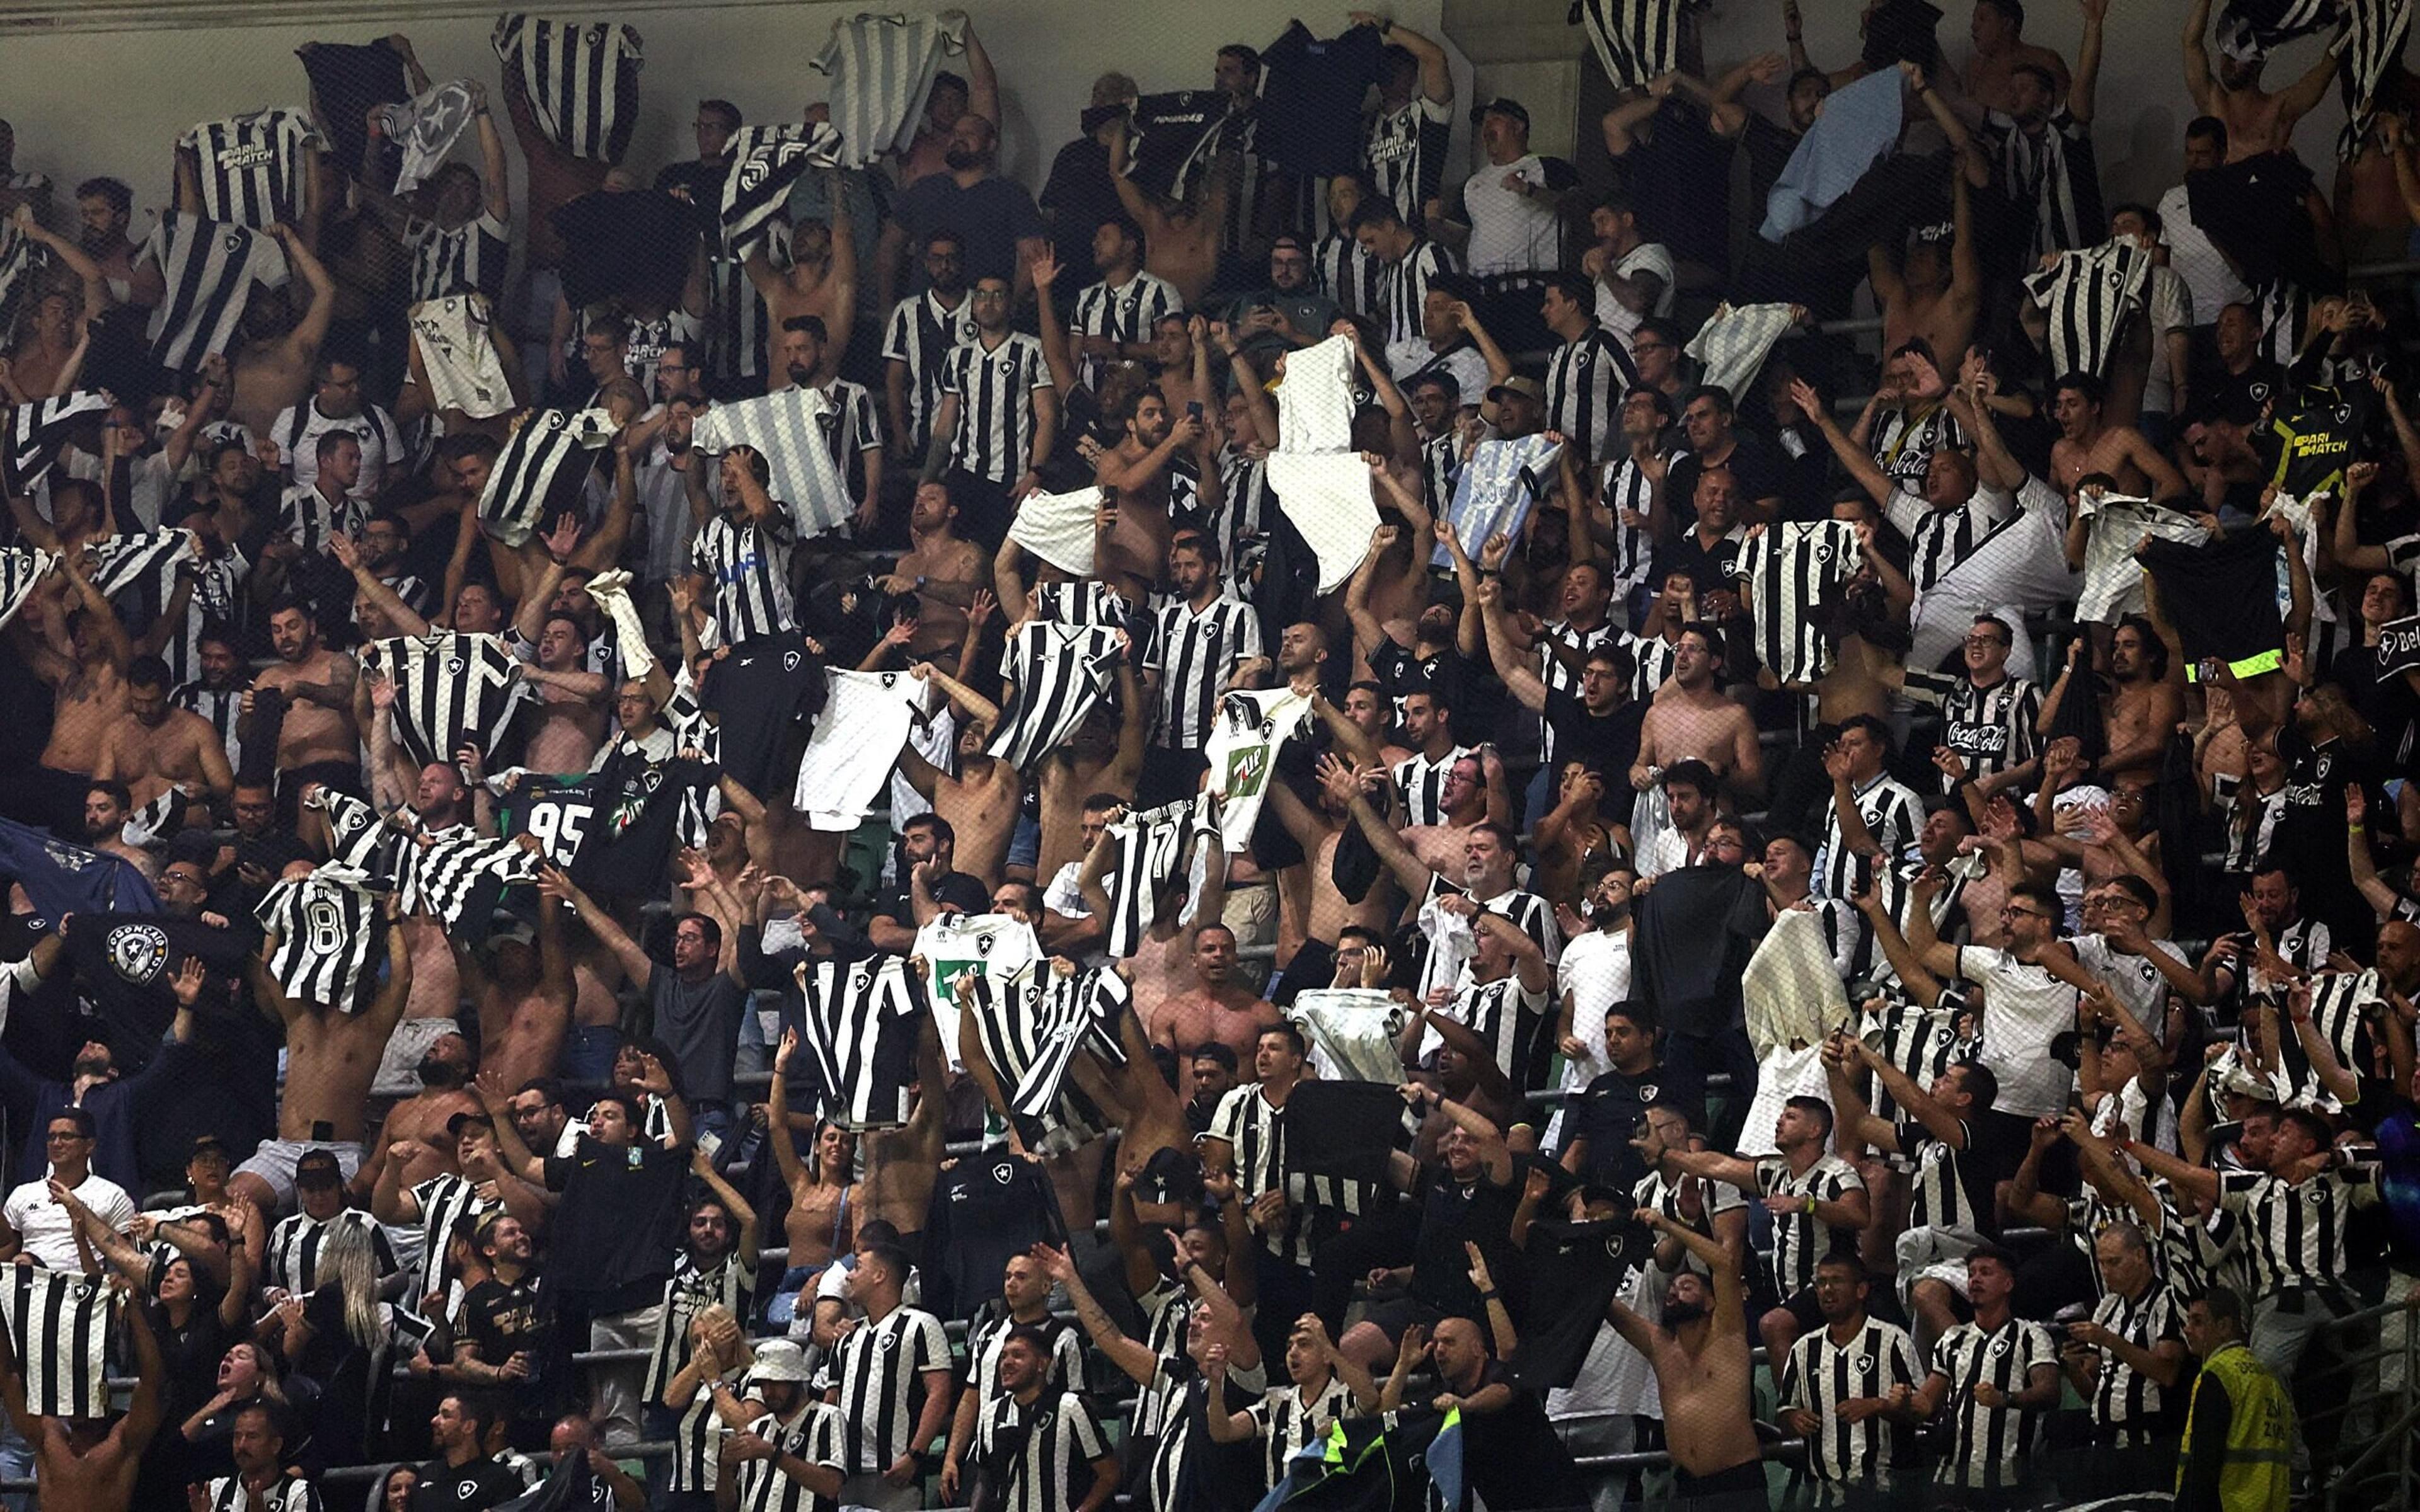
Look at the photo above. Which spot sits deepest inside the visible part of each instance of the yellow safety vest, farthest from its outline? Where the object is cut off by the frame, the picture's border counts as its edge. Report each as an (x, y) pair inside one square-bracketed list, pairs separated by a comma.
[(2257, 1472)]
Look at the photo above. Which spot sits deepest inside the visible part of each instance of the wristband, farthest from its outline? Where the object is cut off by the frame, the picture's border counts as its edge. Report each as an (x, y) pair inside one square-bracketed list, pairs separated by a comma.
[(1810, 1205), (1490, 1294)]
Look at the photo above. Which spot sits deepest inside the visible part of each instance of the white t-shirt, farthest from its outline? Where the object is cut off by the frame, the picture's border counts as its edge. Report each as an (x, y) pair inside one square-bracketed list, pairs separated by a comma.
[(1511, 232), (49, 1233), (2024, 1007), (2212, 284), (2172, 309), (1646, 257), (1595, 971)]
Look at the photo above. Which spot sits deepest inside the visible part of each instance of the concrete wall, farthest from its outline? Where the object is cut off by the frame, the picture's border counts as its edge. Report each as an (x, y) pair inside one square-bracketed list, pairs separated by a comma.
[(89, 103)]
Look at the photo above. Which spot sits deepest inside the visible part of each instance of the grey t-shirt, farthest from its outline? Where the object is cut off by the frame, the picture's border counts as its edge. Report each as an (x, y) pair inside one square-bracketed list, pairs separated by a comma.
[(700, 1022)]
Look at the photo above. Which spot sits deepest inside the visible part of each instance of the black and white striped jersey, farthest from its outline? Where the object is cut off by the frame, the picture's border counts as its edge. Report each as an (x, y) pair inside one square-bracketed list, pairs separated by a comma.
[(451, 689), (1126, 314), (1799, 1240), (1939, 539), (307, 517), (1254, 1129), (738, 328), (2052, 176), (859, 1031), (1037, 1457), (1342, 269), (1943, 1187), (1059, 673), (1988, 1445), (1530, 914), (222, 707), (446, 1200), (581, 79), (1585, 382), (329, 938), (749, 564), (1031, 1026), (210, 268), (819, 1435), (1822, 1373), (1652, 658), (1791, 572), (1194, 654), (995, 388), (2342, 1003), (1440, 471), (698, 1432), (920, 335), (1894, 815), (2128, 1406), (1628, 490), (1995, 729), (1507, 1018), (469, 258), (1406, 149), (878, 1371), (1151, 844), (1714, 1197), (1403, 291), (1084, 601), (692, 1289), (990, 1330), (1422, 783), (1289, 1419), (1167, 1314), (852, 426), (1905, 438), (1579, 641), (253, 166), (2297, 1234), (294, 1246), (298, 427), (284, 1493), (58, 1333)]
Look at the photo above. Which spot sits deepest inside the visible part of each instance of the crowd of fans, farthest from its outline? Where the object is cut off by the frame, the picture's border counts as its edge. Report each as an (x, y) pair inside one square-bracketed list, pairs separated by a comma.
[(1885, 992)]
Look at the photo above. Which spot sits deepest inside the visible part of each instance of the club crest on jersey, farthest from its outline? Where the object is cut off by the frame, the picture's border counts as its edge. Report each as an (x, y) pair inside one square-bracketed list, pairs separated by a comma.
[(790, 660), (233, 241), (1002, 1172), (138, 951), (983, 943)]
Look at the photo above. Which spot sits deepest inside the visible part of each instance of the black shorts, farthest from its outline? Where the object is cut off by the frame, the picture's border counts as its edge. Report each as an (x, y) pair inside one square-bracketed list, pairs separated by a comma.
[(1396, 1314)]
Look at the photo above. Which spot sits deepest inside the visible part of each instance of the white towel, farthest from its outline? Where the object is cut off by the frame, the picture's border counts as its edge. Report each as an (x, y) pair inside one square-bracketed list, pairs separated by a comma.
[(788, 428), (1789, 989), (1315, 398), (1734, 342), (461, 362), (1780, 1076), (426, 127), (1058, 527), (866, 720), (1327, 499)]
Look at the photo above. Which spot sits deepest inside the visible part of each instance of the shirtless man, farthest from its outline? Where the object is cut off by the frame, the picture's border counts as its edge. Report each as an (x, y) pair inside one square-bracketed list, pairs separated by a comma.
[(1104, 755), (277, 356), (154, 746), (2085, 445), (523, 994), (982, 801), (556, 177), (821, 280), (88, 1464), (1699, 1353), (1935, 294), (2256, 121), (2000, 48), (978, 94), (417, 1124), (56, 332), (1692, 719), (902, 1164), (2145, 701), (1218, 1009), (1139, 468), (947, 573), (331, 1056), (1180, 237), (311, 720), (75, 644)]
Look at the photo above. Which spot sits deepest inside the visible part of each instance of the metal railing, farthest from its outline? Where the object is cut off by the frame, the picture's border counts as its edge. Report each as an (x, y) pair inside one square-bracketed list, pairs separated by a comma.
[(2369, 1426)]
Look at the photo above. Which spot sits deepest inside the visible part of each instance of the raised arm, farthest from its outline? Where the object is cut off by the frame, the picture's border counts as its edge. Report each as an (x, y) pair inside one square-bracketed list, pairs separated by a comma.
[(2198, 83), (641, 967)]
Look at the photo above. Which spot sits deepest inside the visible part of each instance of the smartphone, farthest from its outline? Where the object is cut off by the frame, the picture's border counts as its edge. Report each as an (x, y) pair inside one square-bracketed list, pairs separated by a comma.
[(1193, 407)]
